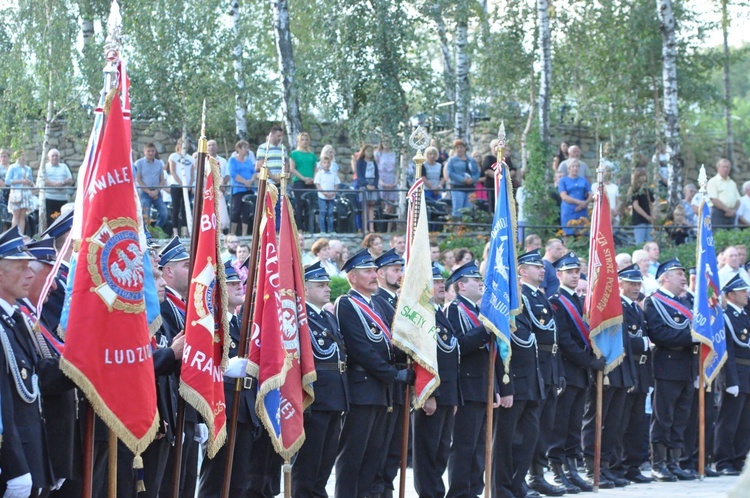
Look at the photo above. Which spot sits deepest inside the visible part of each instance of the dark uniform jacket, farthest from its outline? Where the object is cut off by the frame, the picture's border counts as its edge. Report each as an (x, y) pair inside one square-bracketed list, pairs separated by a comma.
[(524, 365), (536, 305), (388, 302), (669, 330), (167, 385), (246, 414), (472, 339), (370, 365), (448, 393), (60, 407), (25, 449), (52, 309), (331, 390), (634, 331), (737, 325), (576, 354)]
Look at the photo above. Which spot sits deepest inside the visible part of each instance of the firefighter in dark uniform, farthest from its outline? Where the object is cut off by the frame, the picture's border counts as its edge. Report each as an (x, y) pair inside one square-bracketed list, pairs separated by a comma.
[(732, 440), (390, 270), (58, 391), (539, 314), (466, 460), (617, 383), (578, 361), (634, 428), (668, 317), (24, 458), (370, 376), (517, 427), (174, 262), (433, 423), (58, 231), (316, 458), (212, 470)]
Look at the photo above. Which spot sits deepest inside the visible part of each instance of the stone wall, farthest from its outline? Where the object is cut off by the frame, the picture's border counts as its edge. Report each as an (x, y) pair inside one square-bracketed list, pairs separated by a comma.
[(72, 147)]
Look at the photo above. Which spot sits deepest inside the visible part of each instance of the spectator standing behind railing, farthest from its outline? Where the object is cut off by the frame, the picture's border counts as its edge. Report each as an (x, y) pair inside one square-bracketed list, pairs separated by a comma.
[(463, 172), (149, 175), (373, 242), (743, 213), (21, 199), (432, 172), (303, 163), (326, 181), (181, 168), (642, 200), (367, 179), (242, 176), (4, 165), (329, 152), (57, 176), (386, 161), (724, 195), (575, 192)]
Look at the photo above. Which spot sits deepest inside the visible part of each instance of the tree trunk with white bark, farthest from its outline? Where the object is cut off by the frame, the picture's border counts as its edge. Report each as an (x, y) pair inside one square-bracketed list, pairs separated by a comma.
[(671, 113), (545, 76), (449, 75), (727, 89), (283, 34), (240, 110), (463, 62)]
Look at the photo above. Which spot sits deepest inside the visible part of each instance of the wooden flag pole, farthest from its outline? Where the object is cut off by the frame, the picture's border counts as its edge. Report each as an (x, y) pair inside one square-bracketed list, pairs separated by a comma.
[(701, 424), (488, 432), (247, 311), (88, 453), (112, 465), (287, 470), (598, 430), (197, 209), (404, 437)]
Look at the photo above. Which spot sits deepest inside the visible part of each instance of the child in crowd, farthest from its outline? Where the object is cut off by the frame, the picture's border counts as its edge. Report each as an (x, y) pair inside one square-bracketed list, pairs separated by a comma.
[(326, 181)]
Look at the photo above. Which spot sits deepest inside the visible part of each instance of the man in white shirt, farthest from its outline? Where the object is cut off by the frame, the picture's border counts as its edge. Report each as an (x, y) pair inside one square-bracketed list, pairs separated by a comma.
[(733, 266), (724, 195), (743, 212), (574, 152), (57, 175)]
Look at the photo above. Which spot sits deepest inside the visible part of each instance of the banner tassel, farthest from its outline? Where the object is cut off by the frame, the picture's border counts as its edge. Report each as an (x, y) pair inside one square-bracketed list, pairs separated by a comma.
[(140, 486)]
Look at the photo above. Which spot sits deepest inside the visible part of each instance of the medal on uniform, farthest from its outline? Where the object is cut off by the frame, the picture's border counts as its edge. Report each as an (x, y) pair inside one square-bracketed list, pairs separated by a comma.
[(232, 345), (321, 341), (325, 333), (445, 337), (24, 374), (743, 337), (541, 320), (677, 319), (506, 379), (544, 310), (632, 327)]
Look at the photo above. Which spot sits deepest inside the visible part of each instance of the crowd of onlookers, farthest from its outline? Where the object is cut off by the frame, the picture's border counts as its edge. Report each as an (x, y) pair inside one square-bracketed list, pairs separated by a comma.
[(461, 179)]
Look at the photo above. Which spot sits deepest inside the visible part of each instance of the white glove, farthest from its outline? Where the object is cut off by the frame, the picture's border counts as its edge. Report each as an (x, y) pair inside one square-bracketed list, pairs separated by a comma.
[(58, 484), (646, 343), (695, 383), (18, 487), (236, 368), (733, 390), (201, 433)]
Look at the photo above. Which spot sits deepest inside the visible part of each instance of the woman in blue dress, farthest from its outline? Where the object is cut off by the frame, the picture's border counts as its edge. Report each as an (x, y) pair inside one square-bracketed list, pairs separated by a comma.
[(575, 192)]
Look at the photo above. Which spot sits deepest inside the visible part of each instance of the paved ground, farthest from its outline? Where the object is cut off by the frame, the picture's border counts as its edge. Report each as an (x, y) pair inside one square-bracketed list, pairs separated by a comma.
[(709, 488)]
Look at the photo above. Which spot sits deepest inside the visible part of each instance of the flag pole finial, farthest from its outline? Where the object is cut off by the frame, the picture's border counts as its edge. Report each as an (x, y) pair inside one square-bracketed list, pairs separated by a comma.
[(600, 170), (202, 142), (419, 140), (501, 142), (112, 46), (702, 179)]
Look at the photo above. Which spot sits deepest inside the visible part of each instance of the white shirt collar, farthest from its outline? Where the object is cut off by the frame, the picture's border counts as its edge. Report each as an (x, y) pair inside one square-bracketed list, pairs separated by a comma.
[(314, 308), (535, 289), (739, 310), (7, 307), (570, 291), (665, 291)]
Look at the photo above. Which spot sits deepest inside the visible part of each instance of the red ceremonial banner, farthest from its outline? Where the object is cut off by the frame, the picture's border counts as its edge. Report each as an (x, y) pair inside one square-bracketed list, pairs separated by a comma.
[(602, 307), (206, 324), (107, 345), (297, 391)]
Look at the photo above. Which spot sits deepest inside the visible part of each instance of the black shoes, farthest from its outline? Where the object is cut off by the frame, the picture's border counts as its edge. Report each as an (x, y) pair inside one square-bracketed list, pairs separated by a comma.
[(562, 479), (610, 476), (635, 476)]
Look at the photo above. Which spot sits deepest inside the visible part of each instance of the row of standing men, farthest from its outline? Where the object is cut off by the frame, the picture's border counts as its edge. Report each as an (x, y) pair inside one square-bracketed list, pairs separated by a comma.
[(544, 407)]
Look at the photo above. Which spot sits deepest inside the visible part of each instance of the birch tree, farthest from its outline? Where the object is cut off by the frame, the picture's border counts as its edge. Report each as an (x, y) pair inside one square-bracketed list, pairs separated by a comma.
[(240, 109), (545, 73), (671, 112), (283, 34), (463, 63), (727, 88)]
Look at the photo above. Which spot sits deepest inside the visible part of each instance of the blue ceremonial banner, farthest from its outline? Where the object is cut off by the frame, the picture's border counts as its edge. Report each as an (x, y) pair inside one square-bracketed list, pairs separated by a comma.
[(501, 302), (708, 318)]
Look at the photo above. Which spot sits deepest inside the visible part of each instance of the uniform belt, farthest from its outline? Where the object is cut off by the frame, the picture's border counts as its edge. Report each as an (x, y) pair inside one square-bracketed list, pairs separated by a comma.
[(247, 382), (742, 361), (549, 348), (695, 349), (643, 359), (336, 367)]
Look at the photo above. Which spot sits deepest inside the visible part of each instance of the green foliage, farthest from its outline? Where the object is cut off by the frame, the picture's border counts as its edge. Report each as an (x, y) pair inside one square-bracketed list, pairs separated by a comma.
[(539, 206), (339, 286)]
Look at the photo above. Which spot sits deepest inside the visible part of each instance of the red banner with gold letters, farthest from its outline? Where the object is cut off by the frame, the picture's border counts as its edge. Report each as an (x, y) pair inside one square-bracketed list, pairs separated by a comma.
[(206, 324)]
